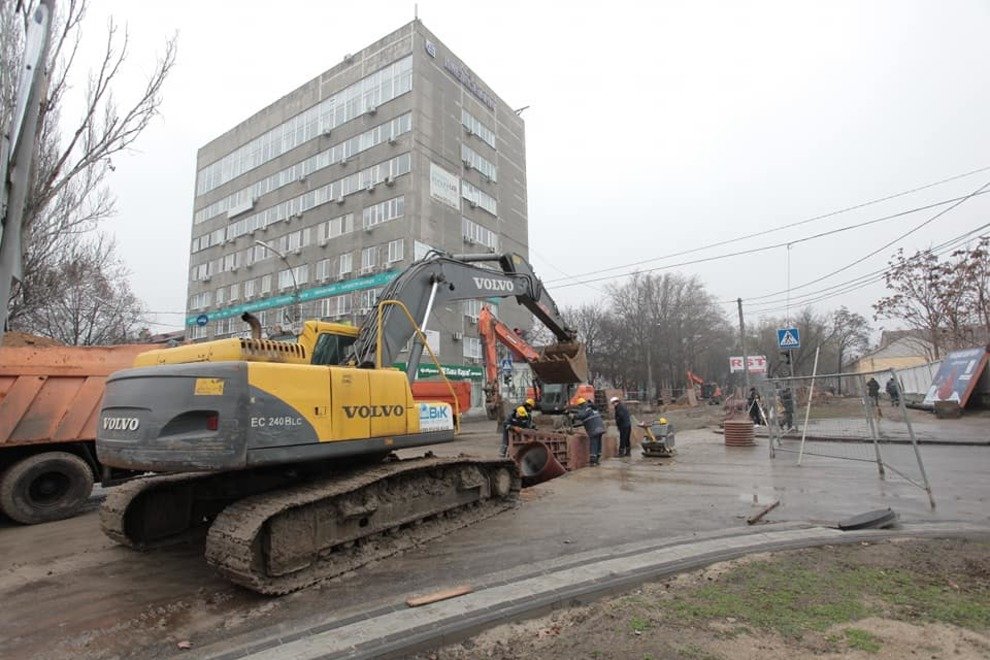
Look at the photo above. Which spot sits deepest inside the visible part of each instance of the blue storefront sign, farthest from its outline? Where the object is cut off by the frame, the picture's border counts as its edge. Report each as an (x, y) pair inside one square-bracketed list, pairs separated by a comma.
[(315, 293)]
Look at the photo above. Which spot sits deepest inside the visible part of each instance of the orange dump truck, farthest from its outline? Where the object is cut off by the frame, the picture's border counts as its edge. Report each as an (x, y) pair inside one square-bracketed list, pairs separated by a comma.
[(49, 405)]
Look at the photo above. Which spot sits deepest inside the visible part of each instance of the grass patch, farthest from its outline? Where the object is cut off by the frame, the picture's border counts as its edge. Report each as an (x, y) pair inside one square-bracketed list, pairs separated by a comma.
[(791, 599), (695, 652), (862, 640), (639, 625)]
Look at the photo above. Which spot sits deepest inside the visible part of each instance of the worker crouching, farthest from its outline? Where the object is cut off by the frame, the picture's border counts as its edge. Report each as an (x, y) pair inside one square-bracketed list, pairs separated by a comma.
[(519, 419)]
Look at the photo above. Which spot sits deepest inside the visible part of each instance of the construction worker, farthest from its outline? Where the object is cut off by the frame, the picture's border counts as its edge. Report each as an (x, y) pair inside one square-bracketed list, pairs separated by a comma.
[(753, 407), (787, 401), (893, 391), (519, 419), (594, 426), (623, 421), (529, 404)]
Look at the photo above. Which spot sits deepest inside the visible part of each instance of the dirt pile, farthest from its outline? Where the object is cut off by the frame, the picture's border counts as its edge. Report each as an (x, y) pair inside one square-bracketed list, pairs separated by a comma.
[(13, 339)]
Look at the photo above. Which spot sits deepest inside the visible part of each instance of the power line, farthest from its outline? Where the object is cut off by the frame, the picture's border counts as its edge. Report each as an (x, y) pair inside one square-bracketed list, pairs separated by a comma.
[(882, 247), (781, 227), (955, 201), (867, 279)]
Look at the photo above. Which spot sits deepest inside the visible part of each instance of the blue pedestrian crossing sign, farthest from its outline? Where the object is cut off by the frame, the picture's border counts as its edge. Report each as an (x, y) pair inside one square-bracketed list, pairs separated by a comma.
[(788, 338), (506, 364)]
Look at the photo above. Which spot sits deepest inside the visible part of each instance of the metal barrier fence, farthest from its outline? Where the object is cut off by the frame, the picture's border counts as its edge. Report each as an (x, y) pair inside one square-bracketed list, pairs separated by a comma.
[(847, 416)]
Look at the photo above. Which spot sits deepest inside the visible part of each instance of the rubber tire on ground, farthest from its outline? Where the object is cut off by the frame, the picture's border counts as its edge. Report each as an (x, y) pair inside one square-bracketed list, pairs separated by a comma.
[(75, 483)]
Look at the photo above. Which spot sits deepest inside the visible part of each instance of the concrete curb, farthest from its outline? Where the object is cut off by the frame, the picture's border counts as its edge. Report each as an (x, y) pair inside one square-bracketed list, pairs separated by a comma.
[(576, 579)]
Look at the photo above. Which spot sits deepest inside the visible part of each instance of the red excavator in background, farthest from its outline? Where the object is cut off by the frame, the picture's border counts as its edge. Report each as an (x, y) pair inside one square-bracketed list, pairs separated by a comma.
[(562, 374)]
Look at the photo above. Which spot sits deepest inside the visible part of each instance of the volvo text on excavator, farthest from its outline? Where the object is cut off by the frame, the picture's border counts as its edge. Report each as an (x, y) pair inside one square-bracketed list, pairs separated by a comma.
[(284, 450)]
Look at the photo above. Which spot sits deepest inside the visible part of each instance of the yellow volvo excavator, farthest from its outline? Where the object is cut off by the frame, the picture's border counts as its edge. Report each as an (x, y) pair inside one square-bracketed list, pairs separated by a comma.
[(285, 449)]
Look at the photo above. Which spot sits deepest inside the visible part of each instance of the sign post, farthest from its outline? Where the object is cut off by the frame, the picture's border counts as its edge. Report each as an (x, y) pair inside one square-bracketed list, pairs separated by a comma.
[(789, 339)]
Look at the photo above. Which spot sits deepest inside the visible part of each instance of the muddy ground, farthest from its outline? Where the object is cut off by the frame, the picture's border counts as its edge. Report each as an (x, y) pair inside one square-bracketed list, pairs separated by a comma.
[(896, 599), (68, 591)]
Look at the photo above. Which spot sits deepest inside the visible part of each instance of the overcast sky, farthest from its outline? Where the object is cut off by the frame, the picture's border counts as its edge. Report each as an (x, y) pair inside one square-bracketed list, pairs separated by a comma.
[(651, 129)]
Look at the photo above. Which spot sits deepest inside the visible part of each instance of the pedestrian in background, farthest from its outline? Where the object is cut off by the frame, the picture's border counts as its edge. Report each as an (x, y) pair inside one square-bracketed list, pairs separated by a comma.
[(873, 390), (623, 421), (787, 401), (594, 426), (753, 401), (893, 392)]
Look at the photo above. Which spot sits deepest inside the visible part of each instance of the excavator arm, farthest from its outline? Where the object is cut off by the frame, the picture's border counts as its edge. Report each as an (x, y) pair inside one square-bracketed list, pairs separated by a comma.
[(440, 278), (492, 330)]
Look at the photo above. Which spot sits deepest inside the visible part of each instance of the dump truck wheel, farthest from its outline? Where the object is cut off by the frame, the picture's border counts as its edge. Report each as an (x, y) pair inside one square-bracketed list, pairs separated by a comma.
[(45, 487)]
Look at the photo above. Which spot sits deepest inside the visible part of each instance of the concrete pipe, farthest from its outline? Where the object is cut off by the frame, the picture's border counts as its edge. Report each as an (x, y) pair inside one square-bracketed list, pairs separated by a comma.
[(537, 464), (739, 433)]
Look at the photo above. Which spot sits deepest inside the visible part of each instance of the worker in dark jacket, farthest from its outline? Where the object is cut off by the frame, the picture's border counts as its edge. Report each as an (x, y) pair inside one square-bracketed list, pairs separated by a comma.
[(594, 426), (519, 419), (623, 421), (893, 391), (873, 389)]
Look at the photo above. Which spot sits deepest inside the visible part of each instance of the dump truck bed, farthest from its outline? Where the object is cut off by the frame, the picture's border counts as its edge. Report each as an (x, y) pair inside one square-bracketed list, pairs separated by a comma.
[(53, 393)]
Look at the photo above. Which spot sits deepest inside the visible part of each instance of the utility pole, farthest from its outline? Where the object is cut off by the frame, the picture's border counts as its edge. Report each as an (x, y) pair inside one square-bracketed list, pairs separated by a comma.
[(292, 273), (18, 150), (742, 343)]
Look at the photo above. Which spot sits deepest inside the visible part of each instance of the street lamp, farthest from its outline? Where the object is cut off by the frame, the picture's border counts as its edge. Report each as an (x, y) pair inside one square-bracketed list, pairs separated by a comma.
[(292, 273)]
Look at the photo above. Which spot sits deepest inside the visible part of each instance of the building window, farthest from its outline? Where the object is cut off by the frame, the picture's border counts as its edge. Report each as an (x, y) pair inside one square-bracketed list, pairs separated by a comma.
[(200, 300), (475, 127), (476, 197), (336, 306), (302, 274), (346, 265), (472, 159), (380, 87), (395, 250), (475, 234), (472, 347), (249, 289), (369, 259), (472, 309), (221, 295), (369, 297), (335, 227), (233, 293), (266, 284), (336, 190), (197, 332), (244, 200), (383, 212), (322, 270)]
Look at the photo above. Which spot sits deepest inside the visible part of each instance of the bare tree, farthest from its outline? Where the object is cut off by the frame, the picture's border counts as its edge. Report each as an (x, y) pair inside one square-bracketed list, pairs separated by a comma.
[(658, 327), (88, 300), (946, 302), (69, 196), (971, 276)]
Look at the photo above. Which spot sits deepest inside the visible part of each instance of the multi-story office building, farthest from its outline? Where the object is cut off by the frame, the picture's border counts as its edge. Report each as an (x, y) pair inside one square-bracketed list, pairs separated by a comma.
[(309, 207)]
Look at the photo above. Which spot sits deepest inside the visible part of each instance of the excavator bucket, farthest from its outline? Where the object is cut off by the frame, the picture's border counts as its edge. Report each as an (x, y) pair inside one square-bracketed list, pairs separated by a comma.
[(565, 362)]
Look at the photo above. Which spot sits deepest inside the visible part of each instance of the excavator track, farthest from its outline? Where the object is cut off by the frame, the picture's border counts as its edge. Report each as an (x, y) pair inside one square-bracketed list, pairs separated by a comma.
[(284, 540), (159, 510), (117, 513)]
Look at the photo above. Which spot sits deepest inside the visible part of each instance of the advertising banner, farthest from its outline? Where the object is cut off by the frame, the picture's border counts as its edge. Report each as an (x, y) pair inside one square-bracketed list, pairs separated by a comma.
[(957, 376)]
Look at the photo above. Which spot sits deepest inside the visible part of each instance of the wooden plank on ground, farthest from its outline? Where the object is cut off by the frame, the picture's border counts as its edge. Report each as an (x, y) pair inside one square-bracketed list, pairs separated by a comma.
[(453, 592)]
